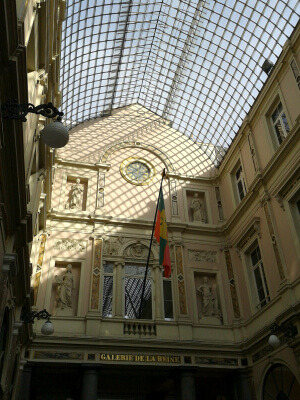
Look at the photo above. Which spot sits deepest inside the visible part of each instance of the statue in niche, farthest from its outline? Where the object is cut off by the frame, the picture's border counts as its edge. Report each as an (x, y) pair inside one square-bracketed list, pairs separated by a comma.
[(197, 209), (76, 196), (209, 302), (65, 286)]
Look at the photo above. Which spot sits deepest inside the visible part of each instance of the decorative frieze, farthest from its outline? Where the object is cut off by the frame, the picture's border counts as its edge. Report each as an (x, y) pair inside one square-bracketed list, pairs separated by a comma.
[(58, 355), (203, 256), (217, 361)]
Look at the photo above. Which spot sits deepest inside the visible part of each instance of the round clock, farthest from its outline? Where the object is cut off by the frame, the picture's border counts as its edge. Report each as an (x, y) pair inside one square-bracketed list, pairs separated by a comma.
[(137, 171)]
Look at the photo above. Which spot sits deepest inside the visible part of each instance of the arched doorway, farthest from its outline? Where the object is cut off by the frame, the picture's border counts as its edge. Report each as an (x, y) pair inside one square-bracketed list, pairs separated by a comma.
[(280, 384)]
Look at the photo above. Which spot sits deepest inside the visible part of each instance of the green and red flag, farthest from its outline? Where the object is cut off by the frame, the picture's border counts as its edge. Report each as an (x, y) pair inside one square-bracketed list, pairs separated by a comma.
[(161, 235)]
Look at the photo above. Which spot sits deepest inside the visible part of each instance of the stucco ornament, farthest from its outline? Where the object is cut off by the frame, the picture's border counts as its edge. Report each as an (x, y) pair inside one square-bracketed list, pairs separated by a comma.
[(112, 245), (202, 255), (70, 244)]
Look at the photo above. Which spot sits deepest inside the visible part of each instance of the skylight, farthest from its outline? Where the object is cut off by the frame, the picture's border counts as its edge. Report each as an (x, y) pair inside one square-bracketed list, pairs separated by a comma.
[(197, 64)]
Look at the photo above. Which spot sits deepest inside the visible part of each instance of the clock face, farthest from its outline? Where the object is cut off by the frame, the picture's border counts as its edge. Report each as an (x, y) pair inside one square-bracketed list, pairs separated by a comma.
[(137, 171)]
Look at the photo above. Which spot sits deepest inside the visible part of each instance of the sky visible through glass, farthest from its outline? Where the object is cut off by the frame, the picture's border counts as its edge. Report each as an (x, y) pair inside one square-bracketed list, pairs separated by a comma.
[(195, 63)]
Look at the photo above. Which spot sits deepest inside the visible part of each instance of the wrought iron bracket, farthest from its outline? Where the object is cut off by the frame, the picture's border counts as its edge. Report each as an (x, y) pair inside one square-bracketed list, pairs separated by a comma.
[(289, 330), (30, 317), (13, 110)]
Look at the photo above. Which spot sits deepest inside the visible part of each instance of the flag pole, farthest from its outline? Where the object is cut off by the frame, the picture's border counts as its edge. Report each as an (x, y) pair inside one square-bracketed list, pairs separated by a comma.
[(151, 240)]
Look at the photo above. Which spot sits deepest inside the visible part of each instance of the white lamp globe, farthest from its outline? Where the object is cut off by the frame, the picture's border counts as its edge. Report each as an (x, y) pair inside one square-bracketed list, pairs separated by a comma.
[(274, 341), (55, 135), (47, 328)]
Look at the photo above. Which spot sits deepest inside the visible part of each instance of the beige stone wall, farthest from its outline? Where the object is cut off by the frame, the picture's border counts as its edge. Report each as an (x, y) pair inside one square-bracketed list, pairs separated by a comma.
[(116, 215)]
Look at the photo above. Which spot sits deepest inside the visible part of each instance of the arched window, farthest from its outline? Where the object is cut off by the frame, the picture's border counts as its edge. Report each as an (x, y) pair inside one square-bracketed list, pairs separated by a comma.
[(280, 384)]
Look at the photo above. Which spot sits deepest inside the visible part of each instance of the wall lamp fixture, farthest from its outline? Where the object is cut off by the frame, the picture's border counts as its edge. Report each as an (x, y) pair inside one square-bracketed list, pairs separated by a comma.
[(54, 134), (289, 330), (29, 317)]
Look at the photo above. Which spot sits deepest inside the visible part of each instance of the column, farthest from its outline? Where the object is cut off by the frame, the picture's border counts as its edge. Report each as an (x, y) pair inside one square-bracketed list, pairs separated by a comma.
[(243, 386), (188, 391), (89, 384), (24, 393), (119, 290)]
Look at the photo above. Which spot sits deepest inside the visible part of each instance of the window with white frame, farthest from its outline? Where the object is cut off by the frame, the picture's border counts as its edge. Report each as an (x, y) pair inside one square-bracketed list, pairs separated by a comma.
[(280, 123), (259, 277), (107, 293), (168, 297), (136, 286), (240, 182)]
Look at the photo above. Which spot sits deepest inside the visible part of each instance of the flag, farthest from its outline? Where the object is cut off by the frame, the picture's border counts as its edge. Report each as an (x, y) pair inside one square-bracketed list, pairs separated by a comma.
[(161, 235)]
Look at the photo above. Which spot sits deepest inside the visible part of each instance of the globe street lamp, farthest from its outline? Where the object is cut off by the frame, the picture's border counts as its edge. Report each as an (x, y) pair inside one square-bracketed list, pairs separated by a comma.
[(29, 317), (54, 134)]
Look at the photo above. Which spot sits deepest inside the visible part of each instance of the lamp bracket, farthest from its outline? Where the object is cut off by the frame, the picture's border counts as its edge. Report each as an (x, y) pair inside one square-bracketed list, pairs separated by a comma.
[(13, 110), (29, 317), (289, 330)]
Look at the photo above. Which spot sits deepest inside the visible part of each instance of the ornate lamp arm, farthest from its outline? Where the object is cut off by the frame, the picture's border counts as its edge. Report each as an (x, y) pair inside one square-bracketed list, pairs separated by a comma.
[(30, 317), (13, 110)]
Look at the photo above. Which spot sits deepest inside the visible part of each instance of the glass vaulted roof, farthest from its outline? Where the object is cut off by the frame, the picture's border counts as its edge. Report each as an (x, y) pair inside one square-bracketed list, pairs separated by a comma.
[(197, 64)]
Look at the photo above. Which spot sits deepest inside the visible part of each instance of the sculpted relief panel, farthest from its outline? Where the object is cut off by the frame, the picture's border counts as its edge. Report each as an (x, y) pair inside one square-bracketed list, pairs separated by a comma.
[(203, 255), (69, 244)]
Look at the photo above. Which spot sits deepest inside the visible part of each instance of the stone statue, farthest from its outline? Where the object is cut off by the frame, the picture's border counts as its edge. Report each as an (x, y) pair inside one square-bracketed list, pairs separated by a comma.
[(209, 303), (76, 196), (198, 210), (66, 284)]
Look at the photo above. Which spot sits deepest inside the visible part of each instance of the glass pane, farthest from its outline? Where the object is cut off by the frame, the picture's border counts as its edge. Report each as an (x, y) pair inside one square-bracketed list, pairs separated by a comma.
[(133, 293), (241, 190), (195, 63), (136, 270), (107, 296), (168, 303), (285, 123), (108, 268), (279, 132)]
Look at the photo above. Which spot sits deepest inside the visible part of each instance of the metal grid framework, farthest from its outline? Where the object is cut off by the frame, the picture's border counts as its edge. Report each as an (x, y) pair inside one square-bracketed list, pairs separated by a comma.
[(195, 63)]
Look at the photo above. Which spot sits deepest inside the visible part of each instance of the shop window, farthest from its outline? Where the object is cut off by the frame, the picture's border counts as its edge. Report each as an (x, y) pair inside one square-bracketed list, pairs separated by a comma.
[(134, 283), (107, 299), (280, 123), (259, 277), (168, 298)]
